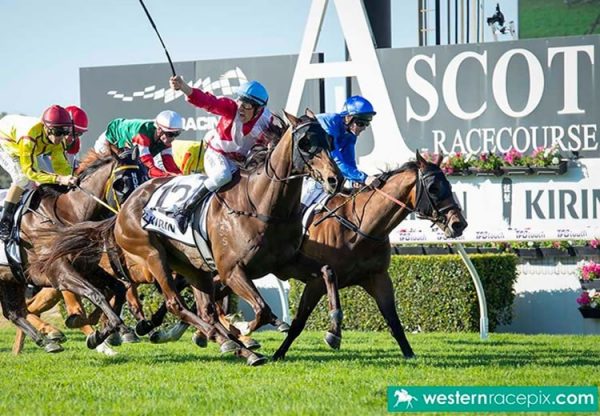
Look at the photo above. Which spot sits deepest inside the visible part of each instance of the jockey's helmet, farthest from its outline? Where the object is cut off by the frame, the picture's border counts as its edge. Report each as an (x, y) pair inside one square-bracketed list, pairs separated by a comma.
[(79, 117), (169, 121), (254, 92), (359, 107), (56, 116)]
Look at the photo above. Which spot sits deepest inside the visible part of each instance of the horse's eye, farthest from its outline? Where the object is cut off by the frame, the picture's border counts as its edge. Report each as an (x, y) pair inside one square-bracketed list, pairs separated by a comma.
[(119, 185), (434, 189), (304, 144)]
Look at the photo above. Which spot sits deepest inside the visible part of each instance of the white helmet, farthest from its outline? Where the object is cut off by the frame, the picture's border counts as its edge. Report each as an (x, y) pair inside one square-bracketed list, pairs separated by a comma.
[(169, 121)]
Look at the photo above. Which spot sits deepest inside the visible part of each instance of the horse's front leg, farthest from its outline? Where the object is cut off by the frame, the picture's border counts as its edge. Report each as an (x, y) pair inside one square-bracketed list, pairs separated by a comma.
[(333, 337), (380, 287), (14, 308), (245, 288), (313, 291)]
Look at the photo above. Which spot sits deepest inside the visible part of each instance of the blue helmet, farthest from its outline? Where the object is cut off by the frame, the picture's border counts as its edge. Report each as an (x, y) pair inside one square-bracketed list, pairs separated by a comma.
[(357, 106), (254, 92)]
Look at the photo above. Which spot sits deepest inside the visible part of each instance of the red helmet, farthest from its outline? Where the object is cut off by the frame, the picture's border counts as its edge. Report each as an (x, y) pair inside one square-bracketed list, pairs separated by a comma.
[(79, 117), (56, 116)]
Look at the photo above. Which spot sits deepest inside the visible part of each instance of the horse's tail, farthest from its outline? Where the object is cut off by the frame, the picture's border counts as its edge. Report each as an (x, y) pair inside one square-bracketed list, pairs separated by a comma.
[(87, 239)]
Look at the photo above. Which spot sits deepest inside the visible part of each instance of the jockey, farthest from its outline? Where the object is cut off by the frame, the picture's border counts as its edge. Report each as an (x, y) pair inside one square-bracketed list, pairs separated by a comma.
[(344, 128), (73, 141), (241, 126), (22, 140), (152, 137)]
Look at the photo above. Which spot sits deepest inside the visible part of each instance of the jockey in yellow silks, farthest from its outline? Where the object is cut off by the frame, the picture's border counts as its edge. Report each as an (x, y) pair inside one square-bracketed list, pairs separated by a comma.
[(22, 141)]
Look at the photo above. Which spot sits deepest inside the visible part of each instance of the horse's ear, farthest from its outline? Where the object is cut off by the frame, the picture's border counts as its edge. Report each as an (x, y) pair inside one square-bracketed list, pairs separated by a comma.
[(294, 121), (420, 161), (438, 159), (309, 113)]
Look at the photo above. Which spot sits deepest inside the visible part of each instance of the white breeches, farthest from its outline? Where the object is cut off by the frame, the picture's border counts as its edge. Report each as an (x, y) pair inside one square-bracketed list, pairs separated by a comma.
[(218, 168), (12, 166)]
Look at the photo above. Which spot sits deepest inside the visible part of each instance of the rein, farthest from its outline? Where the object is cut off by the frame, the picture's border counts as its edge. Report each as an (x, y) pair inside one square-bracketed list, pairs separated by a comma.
[(356, 228)]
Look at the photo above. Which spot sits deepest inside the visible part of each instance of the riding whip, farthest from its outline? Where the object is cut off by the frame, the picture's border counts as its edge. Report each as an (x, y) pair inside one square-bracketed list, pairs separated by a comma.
[(159, 38), (98, 200)]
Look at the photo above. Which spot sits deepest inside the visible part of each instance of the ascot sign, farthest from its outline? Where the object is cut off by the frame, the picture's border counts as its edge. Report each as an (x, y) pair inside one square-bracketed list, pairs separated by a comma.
[(472, 98)]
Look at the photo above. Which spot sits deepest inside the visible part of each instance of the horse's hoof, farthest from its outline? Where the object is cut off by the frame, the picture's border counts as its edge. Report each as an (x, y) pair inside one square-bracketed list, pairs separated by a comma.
[(93, 340), (158, 337), (57, 336), (229, 346), (106, 350), (202, 342), (333, 340), (410, 357), (283, 327), (75, 321), (251, 344), (255, 360), (278, 356), (129, 338), (114, 339), (53, 347), (143, 328)]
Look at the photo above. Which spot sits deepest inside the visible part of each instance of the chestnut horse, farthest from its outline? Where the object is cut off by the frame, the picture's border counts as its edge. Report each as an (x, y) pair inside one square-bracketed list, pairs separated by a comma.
[(99, 176), (253, 225)]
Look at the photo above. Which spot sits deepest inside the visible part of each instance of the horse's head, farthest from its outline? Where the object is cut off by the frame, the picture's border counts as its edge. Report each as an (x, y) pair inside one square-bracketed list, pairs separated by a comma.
[(311, 152), (434, 199), (125, 177)]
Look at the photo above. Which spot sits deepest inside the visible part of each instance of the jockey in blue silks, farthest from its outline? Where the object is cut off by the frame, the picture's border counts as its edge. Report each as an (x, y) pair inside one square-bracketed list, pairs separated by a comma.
[(344, 128)]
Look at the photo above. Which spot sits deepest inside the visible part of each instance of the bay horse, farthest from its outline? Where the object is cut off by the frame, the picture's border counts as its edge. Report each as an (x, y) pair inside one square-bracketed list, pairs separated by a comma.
[(100, 177), (348, 244), (354, 242), (254, 227)]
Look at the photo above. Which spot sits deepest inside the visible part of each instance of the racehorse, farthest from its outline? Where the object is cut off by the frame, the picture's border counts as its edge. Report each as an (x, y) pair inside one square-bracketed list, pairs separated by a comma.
[(253, 226), (112, 177), (348, 244), (352, 238)]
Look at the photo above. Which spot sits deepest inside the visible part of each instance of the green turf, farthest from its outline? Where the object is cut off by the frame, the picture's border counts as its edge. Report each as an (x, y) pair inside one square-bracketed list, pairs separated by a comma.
[(180, 378), (549, 18)]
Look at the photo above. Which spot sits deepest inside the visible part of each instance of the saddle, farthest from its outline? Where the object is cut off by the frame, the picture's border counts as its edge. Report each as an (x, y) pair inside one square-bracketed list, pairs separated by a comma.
[(157, 214)]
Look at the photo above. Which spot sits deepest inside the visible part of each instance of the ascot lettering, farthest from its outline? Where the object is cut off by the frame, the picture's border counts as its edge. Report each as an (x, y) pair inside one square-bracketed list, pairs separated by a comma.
[(426, 90)]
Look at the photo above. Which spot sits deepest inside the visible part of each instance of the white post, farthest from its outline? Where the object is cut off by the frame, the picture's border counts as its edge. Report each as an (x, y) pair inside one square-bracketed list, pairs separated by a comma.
[(483, 315)]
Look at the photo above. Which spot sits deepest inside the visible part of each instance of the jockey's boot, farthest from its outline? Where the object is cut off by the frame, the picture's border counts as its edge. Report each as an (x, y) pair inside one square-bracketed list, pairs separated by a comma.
[(183, 214), (6, 222)]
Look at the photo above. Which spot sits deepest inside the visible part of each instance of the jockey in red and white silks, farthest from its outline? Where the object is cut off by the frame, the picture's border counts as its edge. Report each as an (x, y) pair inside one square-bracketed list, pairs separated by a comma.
[(241, 126)]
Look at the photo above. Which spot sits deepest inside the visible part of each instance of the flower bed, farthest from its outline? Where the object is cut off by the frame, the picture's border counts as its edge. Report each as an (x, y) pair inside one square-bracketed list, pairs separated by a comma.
[(542, 161)]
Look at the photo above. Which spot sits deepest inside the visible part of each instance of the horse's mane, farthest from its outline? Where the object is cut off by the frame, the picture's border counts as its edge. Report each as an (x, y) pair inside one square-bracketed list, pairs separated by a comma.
[(412, 165), (258, 153), (91, 163)]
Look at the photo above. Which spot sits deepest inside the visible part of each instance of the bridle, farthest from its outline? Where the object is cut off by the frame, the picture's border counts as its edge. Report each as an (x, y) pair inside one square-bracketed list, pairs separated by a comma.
[(425, 206), (300, 158)]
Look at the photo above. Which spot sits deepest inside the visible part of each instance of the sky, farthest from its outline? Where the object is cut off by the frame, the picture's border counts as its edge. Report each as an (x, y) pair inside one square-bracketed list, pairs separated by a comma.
[(44, 43)]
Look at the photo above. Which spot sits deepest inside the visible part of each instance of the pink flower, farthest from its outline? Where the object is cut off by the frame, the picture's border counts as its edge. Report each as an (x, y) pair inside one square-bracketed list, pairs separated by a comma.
[(594, 243), (584, 299)]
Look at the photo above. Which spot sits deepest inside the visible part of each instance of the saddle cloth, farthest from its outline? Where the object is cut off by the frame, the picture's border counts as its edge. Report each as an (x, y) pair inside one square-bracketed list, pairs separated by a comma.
[(158, 214)]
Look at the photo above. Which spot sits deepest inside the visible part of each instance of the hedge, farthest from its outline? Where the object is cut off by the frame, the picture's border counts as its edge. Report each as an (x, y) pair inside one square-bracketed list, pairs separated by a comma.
[(433, 293)]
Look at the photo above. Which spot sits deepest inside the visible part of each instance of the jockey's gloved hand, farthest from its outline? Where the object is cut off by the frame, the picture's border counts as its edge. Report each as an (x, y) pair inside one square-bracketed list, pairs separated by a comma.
[(68, 180), (373, 181), (177, 83)]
